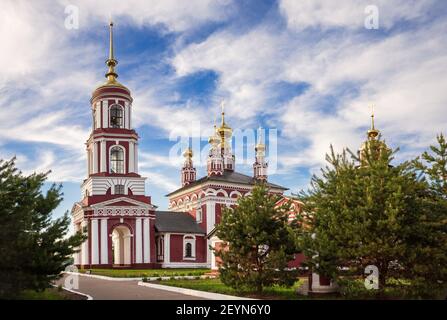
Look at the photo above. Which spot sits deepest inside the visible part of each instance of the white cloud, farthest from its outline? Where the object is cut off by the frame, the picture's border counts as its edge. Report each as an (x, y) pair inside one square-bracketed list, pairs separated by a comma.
[(401, 74), (173, 15), (349, 13)]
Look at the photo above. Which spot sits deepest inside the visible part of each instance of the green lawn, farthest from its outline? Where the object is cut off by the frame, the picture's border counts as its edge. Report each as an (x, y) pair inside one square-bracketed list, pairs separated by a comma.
[(140, 273), (215, 285), (49, 294)]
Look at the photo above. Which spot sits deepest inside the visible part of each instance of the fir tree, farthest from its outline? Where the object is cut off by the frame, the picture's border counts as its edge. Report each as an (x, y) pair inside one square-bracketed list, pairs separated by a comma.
[(34, 247), (259, 242), (365, 211)]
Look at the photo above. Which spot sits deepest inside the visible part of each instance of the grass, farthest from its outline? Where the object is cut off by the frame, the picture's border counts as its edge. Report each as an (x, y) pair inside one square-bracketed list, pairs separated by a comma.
[(141, 273), (215, 285), (49, 294)]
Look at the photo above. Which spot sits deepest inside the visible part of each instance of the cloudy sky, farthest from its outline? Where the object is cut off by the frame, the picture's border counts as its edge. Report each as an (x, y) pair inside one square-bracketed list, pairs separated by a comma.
[(309, 69)]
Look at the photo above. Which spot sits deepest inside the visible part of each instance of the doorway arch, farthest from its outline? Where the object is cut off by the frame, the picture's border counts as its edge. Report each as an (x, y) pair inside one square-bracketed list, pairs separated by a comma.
[(121, 245)]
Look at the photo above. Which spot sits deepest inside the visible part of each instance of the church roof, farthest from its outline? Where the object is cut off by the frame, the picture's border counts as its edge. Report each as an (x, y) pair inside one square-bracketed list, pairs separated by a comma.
[(169, 221), (228, 176)]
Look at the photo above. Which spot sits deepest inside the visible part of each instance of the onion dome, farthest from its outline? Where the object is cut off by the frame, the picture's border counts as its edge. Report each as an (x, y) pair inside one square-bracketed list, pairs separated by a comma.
[(214, 139), (224, 130), (188, 153)]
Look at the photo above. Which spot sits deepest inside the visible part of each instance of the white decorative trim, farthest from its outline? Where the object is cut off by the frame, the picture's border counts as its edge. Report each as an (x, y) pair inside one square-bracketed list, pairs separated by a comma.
[(192, 241)]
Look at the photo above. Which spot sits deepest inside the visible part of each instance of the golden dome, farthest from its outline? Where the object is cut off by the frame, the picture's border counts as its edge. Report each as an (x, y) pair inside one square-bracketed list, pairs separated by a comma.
[(214, 139), (188, 153)]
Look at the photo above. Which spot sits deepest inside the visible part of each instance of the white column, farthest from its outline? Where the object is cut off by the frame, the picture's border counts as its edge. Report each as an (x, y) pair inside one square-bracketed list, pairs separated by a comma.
[(130, 115), (84, 246), (138, 242), (104, 242), (105, 114), (167, 249), (127, 246), (210, 215), (95, 157), (131, 157), (103, 156), (126, 115), (98, 114), (95, 243), (210, 221), (77, 255), (136, 158), (146, 239)]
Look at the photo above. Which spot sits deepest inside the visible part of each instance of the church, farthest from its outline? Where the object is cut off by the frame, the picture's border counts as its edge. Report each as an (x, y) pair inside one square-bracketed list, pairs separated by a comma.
[(123, 227)]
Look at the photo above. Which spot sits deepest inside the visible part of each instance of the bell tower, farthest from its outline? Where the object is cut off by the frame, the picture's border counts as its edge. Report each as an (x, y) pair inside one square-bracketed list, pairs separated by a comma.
[(114, 212)]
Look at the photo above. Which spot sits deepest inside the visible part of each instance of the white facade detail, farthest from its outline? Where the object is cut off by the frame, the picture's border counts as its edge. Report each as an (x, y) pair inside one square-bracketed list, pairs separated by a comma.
[(104, 241), (146, 240), (138, 242), (167, 248), (100, 185), (95, 242)]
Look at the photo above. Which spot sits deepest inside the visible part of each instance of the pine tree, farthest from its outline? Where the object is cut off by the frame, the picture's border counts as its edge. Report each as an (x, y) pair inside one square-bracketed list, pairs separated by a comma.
[(366, 211), (34, 247), (434, 166), (433, 232), (259, 242)]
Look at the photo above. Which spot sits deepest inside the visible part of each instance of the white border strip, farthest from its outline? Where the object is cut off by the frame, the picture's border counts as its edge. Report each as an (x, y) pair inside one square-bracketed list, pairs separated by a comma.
[(89, 297), (191, 292)]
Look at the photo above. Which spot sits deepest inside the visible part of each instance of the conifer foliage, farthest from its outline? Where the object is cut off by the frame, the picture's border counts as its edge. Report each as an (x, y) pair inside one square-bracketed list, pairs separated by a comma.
[(259, 242), (372, 211), (34, 248)]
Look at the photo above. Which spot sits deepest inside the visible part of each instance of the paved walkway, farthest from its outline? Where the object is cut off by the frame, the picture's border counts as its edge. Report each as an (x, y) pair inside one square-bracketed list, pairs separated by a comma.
[(100, 289)]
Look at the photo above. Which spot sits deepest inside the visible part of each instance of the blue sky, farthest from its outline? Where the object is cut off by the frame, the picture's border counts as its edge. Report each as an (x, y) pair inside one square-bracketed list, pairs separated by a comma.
[(308, 69)]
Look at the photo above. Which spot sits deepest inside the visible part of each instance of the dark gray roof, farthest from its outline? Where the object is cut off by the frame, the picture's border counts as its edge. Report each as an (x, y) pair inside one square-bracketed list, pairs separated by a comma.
[(170, 221), (228, 176)]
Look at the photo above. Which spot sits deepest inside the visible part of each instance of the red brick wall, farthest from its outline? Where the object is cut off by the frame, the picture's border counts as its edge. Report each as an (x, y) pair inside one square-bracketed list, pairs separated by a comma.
[(176, 249)]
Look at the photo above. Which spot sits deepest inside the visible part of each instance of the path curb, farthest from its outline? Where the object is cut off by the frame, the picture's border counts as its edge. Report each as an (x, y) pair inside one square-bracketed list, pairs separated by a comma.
[(191, 292), (89, 297)]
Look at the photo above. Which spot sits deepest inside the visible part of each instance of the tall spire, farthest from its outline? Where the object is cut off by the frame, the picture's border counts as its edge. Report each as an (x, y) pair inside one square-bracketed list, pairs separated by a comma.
[(222, 105), (372, 133), (111, 62)]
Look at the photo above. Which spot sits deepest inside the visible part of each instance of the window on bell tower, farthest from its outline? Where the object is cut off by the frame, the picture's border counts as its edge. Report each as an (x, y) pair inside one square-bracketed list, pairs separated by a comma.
[(117, 160), (116, 116)]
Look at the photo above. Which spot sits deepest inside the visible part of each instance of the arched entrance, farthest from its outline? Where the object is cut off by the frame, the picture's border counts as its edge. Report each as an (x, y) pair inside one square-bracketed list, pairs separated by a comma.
[(121, 246)]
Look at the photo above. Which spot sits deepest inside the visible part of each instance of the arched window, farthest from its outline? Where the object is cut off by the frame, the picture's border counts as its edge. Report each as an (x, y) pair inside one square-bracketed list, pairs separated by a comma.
[(188, 250), (117, 160), (116, 116), (189, 247)]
